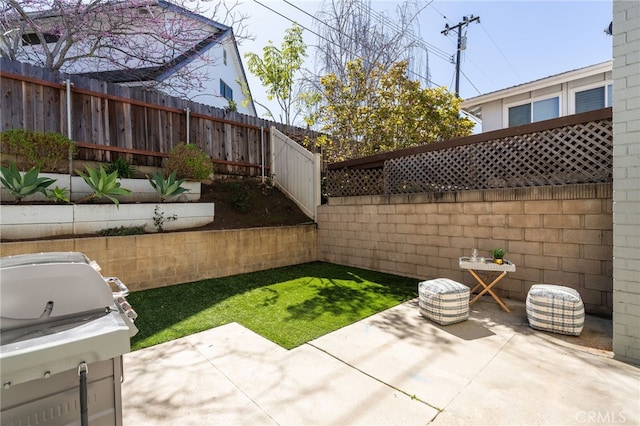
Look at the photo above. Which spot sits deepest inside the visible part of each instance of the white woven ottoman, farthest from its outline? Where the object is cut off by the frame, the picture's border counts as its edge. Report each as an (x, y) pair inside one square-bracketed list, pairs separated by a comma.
[(555, 308), (443, 301)]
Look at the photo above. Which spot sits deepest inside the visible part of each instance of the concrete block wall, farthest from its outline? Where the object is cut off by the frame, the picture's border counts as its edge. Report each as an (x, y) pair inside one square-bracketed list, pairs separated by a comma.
[(157, 260), (626, 180), (555, 235)]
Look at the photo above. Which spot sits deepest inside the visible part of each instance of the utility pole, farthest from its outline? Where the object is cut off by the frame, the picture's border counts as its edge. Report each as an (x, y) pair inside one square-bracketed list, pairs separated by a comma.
[(465, 22)]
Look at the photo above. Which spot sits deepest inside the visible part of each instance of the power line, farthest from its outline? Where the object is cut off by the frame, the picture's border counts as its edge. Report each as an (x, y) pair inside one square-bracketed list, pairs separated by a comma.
[(470, 82), (440, 13), (464, 23), (385, 21), (501, 53), (322, 37), (347, 35), (429, 47), (289, 19), (468, 58), (466, 55), (408, 34)]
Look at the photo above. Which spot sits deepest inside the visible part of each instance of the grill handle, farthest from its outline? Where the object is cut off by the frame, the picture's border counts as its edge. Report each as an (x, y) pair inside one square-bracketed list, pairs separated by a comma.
[(124, 291)]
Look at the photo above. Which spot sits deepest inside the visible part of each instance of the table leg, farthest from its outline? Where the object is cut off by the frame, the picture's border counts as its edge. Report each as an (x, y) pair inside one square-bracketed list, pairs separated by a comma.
[(482, 281), (487, 289)]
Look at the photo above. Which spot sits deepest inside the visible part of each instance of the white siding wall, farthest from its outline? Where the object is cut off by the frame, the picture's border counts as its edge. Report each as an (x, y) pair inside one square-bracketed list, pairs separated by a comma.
[(626, 183), (495, 112), (492, 116), (216, 70)]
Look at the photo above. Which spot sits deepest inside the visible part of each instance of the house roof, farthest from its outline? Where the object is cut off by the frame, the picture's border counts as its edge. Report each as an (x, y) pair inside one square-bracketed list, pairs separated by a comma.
[(474, 105), (161, 72), (158, 72)]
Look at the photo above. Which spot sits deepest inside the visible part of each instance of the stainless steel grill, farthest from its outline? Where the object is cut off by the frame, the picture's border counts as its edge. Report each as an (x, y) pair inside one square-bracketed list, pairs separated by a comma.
[(63, 330)]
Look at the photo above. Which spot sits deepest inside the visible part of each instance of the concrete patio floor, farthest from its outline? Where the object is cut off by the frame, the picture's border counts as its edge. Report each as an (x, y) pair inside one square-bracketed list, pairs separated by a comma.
[(392, 368)]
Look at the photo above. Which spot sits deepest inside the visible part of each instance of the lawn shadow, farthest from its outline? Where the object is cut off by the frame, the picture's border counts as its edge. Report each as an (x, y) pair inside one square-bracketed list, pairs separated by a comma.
[(338, 299), (353, 292)]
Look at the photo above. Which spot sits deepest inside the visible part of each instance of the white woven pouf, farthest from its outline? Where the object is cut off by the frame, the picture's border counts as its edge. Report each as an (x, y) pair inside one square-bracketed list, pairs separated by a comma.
[(443, 301), (555, 308)]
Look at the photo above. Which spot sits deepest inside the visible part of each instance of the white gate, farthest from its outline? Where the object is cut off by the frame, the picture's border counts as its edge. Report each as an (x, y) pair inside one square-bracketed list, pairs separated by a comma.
[(296, 172)]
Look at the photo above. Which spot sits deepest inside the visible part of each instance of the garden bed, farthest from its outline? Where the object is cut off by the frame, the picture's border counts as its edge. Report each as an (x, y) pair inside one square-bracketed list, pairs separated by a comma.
[(141, 190), (262, 207)]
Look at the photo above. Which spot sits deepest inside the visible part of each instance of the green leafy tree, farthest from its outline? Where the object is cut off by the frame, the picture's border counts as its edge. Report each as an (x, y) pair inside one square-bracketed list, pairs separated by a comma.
[(277, 70), (379, 111)]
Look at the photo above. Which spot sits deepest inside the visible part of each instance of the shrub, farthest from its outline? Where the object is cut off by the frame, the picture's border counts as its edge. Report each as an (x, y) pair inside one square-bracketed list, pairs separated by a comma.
[(240, 200), (44, 150), (121, 167), (122, 231), (189, 162)]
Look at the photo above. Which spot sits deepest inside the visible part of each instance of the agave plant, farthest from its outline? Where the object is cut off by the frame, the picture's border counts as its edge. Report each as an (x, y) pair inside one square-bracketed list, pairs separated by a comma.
[(58, 194), (21, 185), (169, 187), (103, 185)]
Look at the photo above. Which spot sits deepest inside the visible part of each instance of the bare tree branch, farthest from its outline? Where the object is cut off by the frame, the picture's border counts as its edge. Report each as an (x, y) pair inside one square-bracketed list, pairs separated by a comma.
[(79, 36), (351, 30)]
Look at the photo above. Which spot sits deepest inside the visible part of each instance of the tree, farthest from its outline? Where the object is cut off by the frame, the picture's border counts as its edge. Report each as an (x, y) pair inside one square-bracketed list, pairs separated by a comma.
[(379, 111), (277, 70), (350, 30), (95, 35)]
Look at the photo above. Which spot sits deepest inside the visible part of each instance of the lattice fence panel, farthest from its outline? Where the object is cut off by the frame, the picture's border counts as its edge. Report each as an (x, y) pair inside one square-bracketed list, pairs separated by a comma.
[(581, 153), (348, 182)]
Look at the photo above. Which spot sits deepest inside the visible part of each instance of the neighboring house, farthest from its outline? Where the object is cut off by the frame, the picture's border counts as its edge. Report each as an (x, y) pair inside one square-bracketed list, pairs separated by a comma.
[(572, 92), (210, 59)]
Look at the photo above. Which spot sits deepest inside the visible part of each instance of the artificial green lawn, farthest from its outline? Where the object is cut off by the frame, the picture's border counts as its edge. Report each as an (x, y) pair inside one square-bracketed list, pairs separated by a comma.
[(289, 306)]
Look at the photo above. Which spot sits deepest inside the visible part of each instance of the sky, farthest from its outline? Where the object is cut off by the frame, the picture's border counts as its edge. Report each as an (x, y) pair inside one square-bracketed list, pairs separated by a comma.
[(515, 41)]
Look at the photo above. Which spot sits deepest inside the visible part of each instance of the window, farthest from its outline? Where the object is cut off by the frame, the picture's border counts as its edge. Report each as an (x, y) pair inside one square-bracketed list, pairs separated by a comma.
[(30, 39), (224, 56), (520, 115), (544, 109), (596, 98), (225, 91)]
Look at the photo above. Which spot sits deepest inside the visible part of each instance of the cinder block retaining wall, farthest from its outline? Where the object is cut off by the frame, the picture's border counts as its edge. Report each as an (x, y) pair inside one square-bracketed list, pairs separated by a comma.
[(557, 235), (157, 260)]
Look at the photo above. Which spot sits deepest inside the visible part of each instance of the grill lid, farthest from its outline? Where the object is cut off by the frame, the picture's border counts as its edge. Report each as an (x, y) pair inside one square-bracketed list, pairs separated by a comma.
[(44, 287), (56, 312)]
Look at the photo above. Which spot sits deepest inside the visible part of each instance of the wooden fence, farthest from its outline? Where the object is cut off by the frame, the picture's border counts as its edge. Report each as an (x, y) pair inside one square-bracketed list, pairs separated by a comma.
[(568, 150), (109, 120)]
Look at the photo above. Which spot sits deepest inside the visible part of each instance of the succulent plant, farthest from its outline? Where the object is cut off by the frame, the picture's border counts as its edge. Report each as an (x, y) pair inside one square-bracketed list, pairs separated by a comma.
[(169, 187), (103, 185), (22, 185)]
